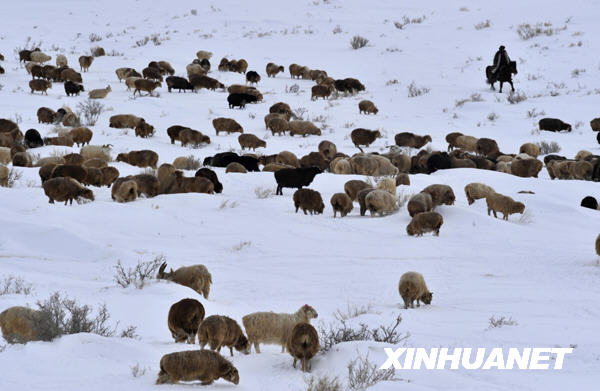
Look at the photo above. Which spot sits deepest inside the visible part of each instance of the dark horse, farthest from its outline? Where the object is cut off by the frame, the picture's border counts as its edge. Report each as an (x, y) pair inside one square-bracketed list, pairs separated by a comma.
[(504, 74)]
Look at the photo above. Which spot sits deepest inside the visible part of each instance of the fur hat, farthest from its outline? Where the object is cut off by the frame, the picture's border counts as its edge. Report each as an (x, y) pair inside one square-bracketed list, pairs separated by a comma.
[(501, 47)]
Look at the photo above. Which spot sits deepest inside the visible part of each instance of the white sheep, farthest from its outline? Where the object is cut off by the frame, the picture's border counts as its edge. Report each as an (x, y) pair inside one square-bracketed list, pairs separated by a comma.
[(40, 57), (96, 152), (381, 202), (412, 287), (387, 184), (99, 93)]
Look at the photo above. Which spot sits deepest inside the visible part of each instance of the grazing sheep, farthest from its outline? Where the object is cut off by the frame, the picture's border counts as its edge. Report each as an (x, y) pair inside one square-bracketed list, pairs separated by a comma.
[(144, 129), (250, 141), (274, 167), (349, 85), (235, 167), (173, 132), (20, 325), (65, 189), (202, 81), (227, 125), (194, 70), (341, 202), (94, 163), (211, 176), (582, 170), (21, 159), (372, 165), (408, 139), (282, 108), (252, 77), (243, 89), (354, 186), (40, 57), (340, 166), (589, 202), (581, 155), (178, 83), (93, 177), (143, 158), (425, 222), (184, 319), (224, 158), (295, 177), (328, 149), (109, 175), (130, 82), (4, 174), (387, 184), (85, 62), (145, 85), (526, 168), (381, 202), (218, 331), (99, 93), (412, 287), (287, 158), (402, 179), (124, 191), (65, 141), (275, 328), (367, 107), (239, 66), (74, 171), (278, 126), (296, 71), (451, 140), (500, 203), (46, 169), (70, 119), (440, 194), (271, 116), (194, 137), (320, 91), (476, 191), (364, 137), (273, 69), (46, 115), (98, 51), (595, 124), (466, 143), (71, 75), (303, 128), (196, 277), (81, 135), (8, 139), (308, 200), (203, 55), (240, 100), (553, 125), (152, 74), (72, 88), (503, 167), (96, 152), (5, 156), (40, 85), (33, 139), (314, 159), (419, 203), (203, 365), (303, 344), (61, 61), (531, 149)]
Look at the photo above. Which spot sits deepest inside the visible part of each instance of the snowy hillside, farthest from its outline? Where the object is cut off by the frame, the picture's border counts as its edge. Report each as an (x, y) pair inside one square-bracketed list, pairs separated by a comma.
[(538, 269)]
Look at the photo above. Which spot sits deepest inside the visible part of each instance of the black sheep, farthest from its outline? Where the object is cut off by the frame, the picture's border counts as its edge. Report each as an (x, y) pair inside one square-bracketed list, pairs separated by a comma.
[(295, 177), (554, 125), (240, 100), (205, 64), (72, 88), (224, 158), (33, 139), (252, 77), (1, 70), (598, 138), (438, 161), (548, 158), (589, 202), (212, 176), (178, 83)]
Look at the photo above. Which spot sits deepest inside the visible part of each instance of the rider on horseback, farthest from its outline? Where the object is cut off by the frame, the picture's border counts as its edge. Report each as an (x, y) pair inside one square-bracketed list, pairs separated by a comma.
[(500, 59)]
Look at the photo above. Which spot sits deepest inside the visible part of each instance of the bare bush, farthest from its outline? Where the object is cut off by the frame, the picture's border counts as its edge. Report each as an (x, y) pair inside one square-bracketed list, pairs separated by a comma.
[(362, 374), (337, 29), (406, 21), (516, 97), (323, 383), (95, 37), (263, 192), (12, 285), (527, 31), (28, 45), (90, 111), (501, 321), (576, 72), (414, 91), (548, 147), (293, 89), (129, 332), (192, 163), (358, 42), (533, 113), (402, 199), (353, 311), (13, 176), (137, 370), (483, 25), (492, 116), (144, 270)]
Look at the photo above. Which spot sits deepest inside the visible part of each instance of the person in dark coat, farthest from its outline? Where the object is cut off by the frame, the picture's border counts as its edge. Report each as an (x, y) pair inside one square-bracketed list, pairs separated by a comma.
[(500, 59)]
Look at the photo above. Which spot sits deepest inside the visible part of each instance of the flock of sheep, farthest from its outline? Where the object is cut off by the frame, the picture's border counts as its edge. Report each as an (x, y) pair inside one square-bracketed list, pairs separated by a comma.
[(69, 177)]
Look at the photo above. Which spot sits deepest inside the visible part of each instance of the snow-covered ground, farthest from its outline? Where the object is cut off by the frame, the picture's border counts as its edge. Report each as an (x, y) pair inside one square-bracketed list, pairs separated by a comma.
[(540, 270)]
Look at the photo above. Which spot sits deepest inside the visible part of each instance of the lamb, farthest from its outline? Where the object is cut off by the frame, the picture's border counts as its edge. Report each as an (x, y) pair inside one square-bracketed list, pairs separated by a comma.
[(287, 158), (328, 149), (218, 331), (81, 135), (303, 128), (40, 85), (531, 149), (65, 189), (381, 202), (476, 191), (124, 191), (308, 200), (553, 125), (440, 194), (412, 287), (425, 222), (96, 151), (367, 107), (341, 202), (21, 159), (275, 328), (196, 277), (40, 57), (21, 325), (85, 62), (178, 83), (526, 168), (252, 77), (364, 137), (145, 85), (202, 81), (419, 203), (320, 91), (46, 115), (33, 139), (251, 141), (589, 202), (500, 203), (143, 158), (227, 125), (184, 319), (303, 344), (408, 139), (99, 93), (203, 365), (76, 172), (109, 175), (295, 177), (212, 176), (273, 69), (194, 137)]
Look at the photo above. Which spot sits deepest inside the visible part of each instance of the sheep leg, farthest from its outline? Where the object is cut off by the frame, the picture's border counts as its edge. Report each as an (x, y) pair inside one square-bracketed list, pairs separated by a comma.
[(231, 351), (295, 362), (495, 215), (412, 304), (418, 303), (257, 347), (489, 210)]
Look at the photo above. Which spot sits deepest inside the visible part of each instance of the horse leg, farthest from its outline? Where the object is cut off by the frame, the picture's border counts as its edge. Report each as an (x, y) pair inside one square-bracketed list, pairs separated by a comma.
[(511, 85), (501, 82)]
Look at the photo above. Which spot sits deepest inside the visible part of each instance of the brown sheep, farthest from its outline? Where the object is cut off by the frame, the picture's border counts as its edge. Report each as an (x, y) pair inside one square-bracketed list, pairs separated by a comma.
[(270, 116), (85, 62), (96, 152), (412, 287), (278, 125), (46, 115), (71, 75), (303, 344), (282, 108), (184, 319), (94, 163), (73, 158), (121, 121), (99, 93), (203, 55), (76, 172), (320, 91), (407, 139), (361, 198), (531, 149), (203, 365), (354, 186), (152, 73), (487, 147), (328, 149), (476, 191), (250, 141), (372, 165), (380, 202), (143, 158), (70, 119), (314, 159), (20, 325), (341, 166), (341, 202), (275, 328), (65, 189), (124, 73), (227, 125), (526, 168), (308, 200), (183, 184), (201, 81), (124, 191), (45, 171), (287, 158), (296, 71), (466, 143), (93, 177), (109, 175), (273, 69), (252, 77), (4, 174), (8, 139), (364, 137), (61, 61), (402, 179), (173, 132), (582, 170), (145, 85), (440, 194), (235, 167), (81, 135), (367, 107), (218, 331), (196, 277), (130, 82), (5, 155), (419, 203), (303, 128), (504, 204), (194, 137), (65, 141), (22, 159), (425, 222), (144, 129), (274, 167), (451, 140), (40, 85)]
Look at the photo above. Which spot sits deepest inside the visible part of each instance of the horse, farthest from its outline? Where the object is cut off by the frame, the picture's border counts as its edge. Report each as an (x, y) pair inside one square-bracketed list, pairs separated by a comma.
[(504, 74)]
